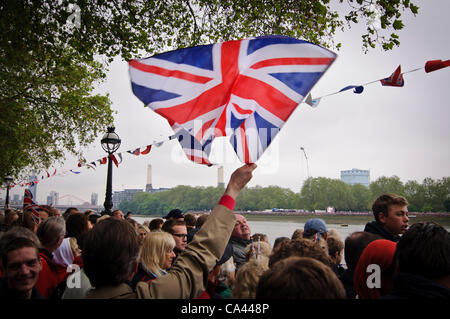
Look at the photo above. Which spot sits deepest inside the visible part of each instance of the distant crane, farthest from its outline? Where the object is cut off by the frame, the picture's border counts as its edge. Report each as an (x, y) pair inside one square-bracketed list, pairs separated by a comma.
[(307, 166), (71, 197)]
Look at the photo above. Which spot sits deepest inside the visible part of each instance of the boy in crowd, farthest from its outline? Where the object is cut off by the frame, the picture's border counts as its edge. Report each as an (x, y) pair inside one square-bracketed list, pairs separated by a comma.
[(391, 217)]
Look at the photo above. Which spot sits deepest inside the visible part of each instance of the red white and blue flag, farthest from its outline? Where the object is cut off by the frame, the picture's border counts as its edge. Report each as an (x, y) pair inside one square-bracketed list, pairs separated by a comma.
[(396, 79), (245, 89), (29, 205)]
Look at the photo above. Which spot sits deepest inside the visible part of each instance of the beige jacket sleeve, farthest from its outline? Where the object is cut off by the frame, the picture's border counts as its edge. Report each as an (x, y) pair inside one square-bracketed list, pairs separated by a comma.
[(188, 276)]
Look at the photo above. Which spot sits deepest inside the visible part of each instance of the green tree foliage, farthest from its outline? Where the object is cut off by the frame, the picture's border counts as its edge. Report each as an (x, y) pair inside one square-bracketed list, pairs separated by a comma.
[(47, 105), (415, 193), (383, 185), (317, 194), (53, 53), (436, 192), (360, 198), (320, 192)]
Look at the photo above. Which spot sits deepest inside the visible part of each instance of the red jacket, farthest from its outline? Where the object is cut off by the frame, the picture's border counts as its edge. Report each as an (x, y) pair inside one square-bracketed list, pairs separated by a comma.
[(50, 276)]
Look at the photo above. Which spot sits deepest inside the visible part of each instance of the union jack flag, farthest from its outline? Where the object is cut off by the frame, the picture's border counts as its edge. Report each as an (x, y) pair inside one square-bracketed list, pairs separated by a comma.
[(245, 89), (396, 79), (29, 205)]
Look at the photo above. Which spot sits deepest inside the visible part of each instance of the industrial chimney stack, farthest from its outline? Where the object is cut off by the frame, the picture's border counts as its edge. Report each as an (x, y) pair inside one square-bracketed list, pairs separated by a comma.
[(220, 182), (149, 187)]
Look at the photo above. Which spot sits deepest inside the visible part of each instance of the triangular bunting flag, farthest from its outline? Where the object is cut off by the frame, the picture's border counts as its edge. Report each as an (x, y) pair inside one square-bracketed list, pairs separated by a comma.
[(135, 152), (312, 102), (308, 100), (114, 159), (91, 165), (147, 150), (396, 79), (358, 89), (434, 65)]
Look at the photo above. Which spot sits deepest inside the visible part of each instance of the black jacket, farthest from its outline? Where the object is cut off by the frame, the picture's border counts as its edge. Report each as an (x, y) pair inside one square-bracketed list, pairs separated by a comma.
[(142, 274), (409, 286), (378, 229), (6, 293), (347, 280)]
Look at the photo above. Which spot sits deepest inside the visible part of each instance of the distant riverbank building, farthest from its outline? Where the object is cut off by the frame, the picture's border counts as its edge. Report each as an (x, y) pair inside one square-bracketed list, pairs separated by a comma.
[(356, 176)]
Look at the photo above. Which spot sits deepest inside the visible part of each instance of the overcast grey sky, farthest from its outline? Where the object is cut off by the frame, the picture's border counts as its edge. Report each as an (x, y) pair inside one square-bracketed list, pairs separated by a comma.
[(387, 130)]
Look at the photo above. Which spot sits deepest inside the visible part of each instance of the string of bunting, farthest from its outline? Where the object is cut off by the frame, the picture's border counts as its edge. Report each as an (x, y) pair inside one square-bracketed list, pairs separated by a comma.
[(116, 159), (395, 79)]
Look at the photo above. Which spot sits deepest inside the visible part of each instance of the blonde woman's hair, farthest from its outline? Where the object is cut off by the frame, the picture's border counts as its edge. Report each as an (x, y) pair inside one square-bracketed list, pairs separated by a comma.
[(154, 249)]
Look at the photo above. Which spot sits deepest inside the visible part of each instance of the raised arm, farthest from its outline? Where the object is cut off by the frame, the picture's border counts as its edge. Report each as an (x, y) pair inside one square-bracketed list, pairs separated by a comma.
[(188, 276)]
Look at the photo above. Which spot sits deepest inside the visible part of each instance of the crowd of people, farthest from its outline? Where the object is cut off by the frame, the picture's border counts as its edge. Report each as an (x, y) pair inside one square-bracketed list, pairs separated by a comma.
[(77, 255)]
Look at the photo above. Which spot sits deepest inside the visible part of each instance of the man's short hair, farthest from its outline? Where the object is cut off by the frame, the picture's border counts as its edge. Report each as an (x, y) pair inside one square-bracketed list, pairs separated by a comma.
[(201, 220), (300, 278), (171, 223), (50, 230), (17, 243), (190, 219), (335, 245), (424, 250), (110, 252), (17, 232), (93, 218), (300, 248), (154, 223), (354, 246), (382, 204), (69, 211)]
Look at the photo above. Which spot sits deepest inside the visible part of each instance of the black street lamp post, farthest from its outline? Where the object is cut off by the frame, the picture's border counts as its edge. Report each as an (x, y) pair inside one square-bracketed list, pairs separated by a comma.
[(110, 143), (8, 181)]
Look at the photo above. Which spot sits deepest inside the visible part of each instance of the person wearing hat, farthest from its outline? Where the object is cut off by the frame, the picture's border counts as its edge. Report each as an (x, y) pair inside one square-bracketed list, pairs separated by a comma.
[(174, 214), (314, 227)]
